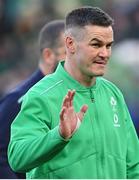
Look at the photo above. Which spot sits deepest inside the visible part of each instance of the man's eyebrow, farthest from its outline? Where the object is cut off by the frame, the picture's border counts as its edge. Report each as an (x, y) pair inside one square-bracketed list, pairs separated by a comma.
[(99, 41), (95, 39)]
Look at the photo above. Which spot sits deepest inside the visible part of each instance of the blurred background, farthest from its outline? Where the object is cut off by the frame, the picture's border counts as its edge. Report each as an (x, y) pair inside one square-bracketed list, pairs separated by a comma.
[(21, 20)]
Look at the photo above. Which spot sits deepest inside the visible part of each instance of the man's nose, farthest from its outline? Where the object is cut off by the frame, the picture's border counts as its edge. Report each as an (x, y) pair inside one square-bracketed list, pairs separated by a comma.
[(104, 52)]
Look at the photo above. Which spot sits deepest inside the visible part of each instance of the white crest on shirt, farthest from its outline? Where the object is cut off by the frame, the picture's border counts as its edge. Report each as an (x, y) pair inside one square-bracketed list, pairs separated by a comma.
[(113, 103)]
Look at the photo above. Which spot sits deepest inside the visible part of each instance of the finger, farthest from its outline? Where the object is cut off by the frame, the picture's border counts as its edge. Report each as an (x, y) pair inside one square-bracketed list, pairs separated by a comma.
[(82, 112), (66, 101), (84, 108), (72, 93), (62, 113), (69, 98)]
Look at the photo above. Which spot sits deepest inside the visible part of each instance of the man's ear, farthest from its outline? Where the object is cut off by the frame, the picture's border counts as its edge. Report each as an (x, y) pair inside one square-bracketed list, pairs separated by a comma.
[(48, 62), (48, 56), (47, 53), (70, 44)]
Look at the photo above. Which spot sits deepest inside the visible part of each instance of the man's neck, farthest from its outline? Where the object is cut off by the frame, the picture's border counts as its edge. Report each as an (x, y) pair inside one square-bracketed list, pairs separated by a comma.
[(82, 79), (45, 70)]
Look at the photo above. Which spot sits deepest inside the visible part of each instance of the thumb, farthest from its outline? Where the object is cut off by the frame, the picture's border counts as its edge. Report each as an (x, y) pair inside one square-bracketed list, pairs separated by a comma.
[(82, 112)]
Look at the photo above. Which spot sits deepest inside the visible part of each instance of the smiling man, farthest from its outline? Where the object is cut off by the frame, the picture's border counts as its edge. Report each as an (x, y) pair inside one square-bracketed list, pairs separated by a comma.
[(75, 124)]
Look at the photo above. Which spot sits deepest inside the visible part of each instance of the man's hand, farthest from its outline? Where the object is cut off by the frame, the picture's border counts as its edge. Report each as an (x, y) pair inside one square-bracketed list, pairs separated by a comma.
[(69, 119)]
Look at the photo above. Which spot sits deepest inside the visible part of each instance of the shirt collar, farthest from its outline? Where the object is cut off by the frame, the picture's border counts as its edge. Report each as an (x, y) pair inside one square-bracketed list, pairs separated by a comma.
[(70, 81)]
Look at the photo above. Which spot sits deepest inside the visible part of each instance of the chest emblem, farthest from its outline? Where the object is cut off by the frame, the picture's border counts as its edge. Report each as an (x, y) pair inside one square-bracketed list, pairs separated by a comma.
[(113, 103)]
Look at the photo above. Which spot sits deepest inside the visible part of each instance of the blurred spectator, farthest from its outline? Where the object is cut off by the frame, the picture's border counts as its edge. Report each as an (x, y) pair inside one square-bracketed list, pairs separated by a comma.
[(52, 49)]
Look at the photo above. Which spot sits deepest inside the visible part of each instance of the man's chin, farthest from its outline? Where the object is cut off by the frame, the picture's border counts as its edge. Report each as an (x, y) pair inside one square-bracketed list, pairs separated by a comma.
[(99, 74)]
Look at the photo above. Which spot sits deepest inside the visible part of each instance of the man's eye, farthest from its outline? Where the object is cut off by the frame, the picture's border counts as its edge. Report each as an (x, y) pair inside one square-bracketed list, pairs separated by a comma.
[(109, 46), (95, 45)]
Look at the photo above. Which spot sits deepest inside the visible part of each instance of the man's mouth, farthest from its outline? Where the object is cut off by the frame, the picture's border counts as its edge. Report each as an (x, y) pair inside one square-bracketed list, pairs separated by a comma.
[(100, 62)]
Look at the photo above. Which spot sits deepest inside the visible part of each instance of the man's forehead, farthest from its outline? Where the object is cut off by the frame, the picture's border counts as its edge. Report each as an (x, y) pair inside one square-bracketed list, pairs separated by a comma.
[(99, 33)]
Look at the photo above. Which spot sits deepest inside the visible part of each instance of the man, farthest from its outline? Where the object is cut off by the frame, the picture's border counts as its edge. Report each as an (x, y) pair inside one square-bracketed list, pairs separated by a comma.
[(51, 44), (75, 124)]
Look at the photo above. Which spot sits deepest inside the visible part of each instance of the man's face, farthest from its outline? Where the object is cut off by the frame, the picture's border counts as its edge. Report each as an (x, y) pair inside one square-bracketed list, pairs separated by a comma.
[(92, 52)]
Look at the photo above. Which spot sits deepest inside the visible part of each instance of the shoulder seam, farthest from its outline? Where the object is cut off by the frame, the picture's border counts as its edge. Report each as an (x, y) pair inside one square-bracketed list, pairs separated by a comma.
[(57, 83)]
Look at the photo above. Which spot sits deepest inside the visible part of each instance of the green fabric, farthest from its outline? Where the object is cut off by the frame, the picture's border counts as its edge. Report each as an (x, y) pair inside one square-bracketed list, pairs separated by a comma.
[(105, 145)]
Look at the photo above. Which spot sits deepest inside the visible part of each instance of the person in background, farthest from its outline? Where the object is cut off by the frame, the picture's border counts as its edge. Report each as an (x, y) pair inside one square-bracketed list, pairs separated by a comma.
[(74, 124), (52, 50)]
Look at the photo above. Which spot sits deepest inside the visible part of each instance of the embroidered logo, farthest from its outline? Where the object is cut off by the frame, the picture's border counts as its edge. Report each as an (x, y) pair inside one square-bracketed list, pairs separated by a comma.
[(113, 103)]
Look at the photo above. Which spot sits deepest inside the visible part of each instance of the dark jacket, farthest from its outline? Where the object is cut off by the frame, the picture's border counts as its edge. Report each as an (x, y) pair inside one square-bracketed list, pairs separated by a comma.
[(9, 107)]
